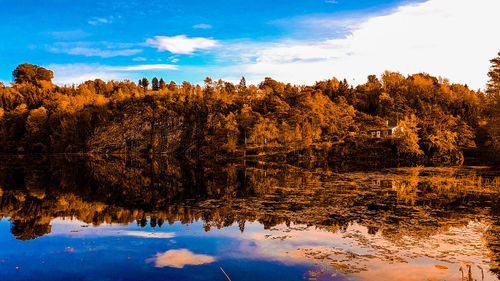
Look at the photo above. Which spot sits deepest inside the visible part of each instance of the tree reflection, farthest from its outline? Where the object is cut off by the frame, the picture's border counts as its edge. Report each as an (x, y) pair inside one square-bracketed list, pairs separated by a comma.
[(417, 202)]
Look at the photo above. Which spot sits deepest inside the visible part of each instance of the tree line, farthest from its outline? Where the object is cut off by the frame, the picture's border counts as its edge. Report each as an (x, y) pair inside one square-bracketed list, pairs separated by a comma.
[(436, 121)]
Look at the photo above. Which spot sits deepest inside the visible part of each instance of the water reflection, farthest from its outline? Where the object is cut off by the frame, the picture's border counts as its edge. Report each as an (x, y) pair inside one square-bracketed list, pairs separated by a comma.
[(423, 223), (179, 258)]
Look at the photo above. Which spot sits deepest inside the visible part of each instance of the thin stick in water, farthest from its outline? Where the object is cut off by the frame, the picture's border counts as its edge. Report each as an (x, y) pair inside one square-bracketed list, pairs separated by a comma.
[(225, 273)]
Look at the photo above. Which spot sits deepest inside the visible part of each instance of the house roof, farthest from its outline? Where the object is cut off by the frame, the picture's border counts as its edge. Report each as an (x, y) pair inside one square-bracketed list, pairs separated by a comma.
[(392, 124)]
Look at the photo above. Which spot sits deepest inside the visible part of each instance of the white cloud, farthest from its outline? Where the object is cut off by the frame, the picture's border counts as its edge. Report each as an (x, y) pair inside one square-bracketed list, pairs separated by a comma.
[(179, 259), (67, 74), (451, 38), (68, 34), (100, 49), (202, 26), (181, 44), (146, 67), (98, 21), (95, 52), (139, 59)]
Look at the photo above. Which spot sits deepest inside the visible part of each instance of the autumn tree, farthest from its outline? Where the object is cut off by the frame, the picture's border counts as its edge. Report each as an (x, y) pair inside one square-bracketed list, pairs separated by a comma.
[(307, 134), (31, 73), (493, 108), (162, 84), (232, 132), (172, 86), (246, 119), (368, 95), (444, 144), (36, 128), (272, 86), (264, 131), (406, 137), (144, 83), (243, 84), (394, 84), (385, 104), (493, 86), (154, 84)]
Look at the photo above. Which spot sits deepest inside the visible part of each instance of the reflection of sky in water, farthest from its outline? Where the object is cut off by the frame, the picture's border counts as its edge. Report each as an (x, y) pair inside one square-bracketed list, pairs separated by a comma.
[(179, 258), (420, 223), (77, 251)]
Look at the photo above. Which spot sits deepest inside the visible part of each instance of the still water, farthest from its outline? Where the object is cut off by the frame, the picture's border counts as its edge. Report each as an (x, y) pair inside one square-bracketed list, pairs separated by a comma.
[(115, 218)]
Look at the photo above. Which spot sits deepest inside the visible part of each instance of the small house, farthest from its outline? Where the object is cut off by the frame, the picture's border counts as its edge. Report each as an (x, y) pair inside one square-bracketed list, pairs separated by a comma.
[(394, 127), (388, 130)]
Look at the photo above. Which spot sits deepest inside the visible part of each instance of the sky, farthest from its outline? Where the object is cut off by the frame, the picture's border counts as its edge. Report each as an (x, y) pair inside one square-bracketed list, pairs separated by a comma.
[(294, 41)]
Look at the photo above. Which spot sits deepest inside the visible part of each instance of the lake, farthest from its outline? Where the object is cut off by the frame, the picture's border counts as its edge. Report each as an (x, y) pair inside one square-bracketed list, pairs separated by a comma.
[(131, 218)]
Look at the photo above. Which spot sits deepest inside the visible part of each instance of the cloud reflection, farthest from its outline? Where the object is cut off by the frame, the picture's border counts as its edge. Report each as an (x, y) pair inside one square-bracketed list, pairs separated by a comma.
[(378, 257), (179, 258), (144, 234)]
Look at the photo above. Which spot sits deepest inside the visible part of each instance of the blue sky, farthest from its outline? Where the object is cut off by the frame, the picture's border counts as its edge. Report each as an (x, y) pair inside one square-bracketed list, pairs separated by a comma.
[(293, 41)]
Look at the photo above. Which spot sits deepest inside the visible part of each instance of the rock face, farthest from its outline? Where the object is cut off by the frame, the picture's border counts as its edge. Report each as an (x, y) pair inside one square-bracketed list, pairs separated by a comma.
[(147, 127), (136, 133)]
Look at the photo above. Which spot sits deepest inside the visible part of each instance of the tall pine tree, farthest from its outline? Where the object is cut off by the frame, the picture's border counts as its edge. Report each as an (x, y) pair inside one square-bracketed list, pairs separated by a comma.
[(144, 83), (243, 84), (162, 84), (493, 86), (493, 90), (154, 84)]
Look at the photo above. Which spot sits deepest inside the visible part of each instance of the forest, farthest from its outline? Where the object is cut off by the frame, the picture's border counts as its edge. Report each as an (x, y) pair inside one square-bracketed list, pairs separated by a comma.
[(414, 120)]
